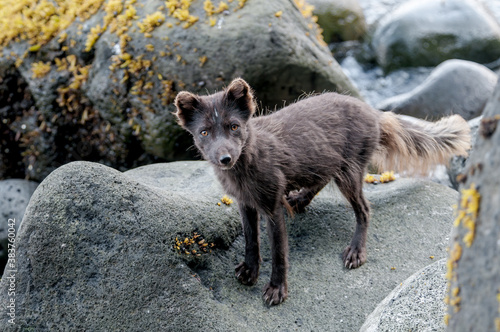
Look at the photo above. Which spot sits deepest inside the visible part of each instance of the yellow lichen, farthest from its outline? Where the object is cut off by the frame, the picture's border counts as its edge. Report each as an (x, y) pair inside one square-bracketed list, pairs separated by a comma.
[(497, 320), (383, 178), (278, 13), (387, 177), (92, 37), (467, 213), (40, 69), (151, 22), (202, 59), (307, 11), (40, 21), (370, 178), (194, 244), (208, 6), (150, 48), (226, 200)]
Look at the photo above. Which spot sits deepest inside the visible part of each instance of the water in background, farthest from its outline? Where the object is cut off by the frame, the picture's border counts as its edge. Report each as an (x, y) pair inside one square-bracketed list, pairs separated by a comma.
[(373, 85)]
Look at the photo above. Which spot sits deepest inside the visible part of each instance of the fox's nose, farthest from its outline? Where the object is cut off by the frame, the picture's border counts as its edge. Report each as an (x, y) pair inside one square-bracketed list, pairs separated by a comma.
[(225, 159)]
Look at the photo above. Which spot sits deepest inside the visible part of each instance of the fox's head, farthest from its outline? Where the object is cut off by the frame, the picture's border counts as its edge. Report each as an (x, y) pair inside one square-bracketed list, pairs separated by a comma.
[(218, 122)]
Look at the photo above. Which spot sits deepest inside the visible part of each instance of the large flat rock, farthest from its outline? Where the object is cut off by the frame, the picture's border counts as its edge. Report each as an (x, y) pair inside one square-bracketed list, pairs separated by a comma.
[(417, 304), (95, 252)]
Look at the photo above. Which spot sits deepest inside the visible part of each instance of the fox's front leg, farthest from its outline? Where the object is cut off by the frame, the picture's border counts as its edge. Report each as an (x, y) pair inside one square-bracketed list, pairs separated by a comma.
[(276, 291), (247, 271)]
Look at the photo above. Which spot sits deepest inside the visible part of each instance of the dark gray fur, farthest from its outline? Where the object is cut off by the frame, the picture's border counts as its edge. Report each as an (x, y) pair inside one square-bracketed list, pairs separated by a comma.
[(285, 157)]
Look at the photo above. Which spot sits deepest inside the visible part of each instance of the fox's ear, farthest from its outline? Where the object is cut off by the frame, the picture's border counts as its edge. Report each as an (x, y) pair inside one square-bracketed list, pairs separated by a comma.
[(240, 93), (186, 104)]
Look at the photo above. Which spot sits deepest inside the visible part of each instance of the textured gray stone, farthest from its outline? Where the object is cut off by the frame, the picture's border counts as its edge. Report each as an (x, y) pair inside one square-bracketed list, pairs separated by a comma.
[(14, 197), (428, 32), (95, 253), (417, 304), (454, 87), (474, 258)]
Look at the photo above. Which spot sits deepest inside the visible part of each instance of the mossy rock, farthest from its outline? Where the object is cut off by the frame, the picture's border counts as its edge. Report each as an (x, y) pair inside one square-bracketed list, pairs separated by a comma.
[(340, 20), (426, 33)]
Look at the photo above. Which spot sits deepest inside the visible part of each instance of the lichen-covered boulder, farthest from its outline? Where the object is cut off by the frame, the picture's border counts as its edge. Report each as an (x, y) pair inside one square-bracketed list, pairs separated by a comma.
[(340, 20), (454, 87), (102, 76), (427, 32), (152, 248), (473, 294)]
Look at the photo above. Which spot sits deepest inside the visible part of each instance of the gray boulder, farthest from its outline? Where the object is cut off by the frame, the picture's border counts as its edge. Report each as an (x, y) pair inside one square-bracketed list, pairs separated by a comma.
[(428, 32), (14, 197), (415, 305), (454, 87), (98, 251), (114, 98), (340, 20), (458, 164), (474, 258)]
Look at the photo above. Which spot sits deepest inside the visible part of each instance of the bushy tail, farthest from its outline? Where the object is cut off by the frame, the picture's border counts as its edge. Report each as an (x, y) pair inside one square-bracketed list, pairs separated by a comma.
[(416, 146)]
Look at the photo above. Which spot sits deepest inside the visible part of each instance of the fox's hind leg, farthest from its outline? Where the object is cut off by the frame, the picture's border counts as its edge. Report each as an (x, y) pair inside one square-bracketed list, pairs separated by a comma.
[(298, 200), (351, 185)]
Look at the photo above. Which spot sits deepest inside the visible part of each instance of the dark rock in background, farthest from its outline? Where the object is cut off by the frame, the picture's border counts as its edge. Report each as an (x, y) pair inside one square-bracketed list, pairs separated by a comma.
[(458, 164), (340, 20), (454, 87), (428, 32)]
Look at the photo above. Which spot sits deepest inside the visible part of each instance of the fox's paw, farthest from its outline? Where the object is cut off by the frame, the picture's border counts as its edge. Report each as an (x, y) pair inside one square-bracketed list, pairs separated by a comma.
[(274, 295), (247, 275), (353, 257)]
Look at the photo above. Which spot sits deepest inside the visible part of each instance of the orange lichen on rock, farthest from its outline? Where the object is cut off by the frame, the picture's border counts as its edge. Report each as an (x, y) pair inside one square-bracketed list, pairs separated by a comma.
[(383, 178), (226, 200), (40, 21), (151, 22), (467, 213), (40, 69), (307, 11), (193, 244)]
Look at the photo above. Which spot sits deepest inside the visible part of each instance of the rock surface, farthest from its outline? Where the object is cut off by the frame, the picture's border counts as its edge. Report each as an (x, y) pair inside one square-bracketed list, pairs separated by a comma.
[(95, 251), (111, 102), (340, 20), (458, 164), (14, 197), (425, 33), (415, 305), (474, 259), (454, 87)]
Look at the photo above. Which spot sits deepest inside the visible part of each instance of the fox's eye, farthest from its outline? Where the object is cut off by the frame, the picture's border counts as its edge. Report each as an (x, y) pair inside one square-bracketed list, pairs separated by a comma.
[(234, 127), (204, 133)]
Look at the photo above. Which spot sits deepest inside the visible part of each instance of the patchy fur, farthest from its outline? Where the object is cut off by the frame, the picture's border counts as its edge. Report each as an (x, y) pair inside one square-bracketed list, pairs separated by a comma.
[(293, 153)]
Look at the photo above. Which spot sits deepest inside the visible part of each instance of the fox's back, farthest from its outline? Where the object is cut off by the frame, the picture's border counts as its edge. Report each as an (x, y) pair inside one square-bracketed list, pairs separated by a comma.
[(321, 134)]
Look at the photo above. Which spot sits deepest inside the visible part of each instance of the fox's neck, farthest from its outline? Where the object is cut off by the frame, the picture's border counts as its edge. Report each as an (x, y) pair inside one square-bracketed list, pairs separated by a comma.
[(249, 151)]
